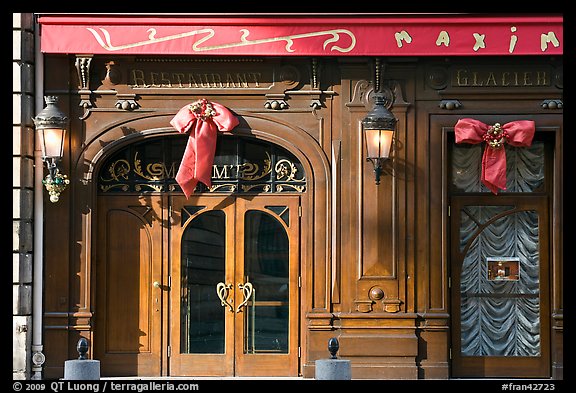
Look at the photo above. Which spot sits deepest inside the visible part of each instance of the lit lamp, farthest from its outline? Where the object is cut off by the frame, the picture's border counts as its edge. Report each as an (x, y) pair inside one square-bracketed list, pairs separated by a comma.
[(51, 126), (379, 125)]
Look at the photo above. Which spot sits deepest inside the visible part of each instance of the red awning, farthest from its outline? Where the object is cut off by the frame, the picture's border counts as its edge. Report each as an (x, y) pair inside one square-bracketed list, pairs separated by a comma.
[(289, 36)]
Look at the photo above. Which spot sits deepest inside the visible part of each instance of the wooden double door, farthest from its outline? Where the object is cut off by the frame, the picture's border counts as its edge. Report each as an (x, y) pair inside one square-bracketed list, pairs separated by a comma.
[(207, 286)]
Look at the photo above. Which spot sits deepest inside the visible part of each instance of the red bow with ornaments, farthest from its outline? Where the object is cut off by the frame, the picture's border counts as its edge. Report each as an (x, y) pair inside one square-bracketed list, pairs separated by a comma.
[(516, 133), (203, 119)]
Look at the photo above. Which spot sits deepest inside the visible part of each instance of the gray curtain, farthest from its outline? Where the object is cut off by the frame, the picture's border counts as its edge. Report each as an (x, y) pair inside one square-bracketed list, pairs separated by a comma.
[(524, 168)]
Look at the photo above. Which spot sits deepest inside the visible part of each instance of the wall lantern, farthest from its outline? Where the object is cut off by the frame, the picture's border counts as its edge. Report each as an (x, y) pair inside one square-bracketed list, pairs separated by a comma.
[(51, 126), (379, 125)]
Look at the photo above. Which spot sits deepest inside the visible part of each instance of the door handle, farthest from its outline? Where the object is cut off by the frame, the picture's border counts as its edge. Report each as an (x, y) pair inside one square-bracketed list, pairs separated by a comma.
[(222, 292), (247, 290), (156, 284)]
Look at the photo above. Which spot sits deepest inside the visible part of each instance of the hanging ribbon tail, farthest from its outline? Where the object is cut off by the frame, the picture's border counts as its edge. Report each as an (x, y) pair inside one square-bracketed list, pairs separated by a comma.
[(186, 175), (198, 158), (494, 169)]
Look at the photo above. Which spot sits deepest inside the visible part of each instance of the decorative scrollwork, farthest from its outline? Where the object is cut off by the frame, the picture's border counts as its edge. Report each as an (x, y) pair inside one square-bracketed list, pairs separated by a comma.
[(118, 170), (250, 170), (281, 187), (156, 170), (222, 292), (286, 171), (153, 187), (247, 290), (123, 187), (220, 187), (130, 170), (251, 187)]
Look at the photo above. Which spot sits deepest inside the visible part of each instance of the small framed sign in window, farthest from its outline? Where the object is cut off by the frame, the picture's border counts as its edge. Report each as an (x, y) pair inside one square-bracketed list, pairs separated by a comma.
[(503, 268)]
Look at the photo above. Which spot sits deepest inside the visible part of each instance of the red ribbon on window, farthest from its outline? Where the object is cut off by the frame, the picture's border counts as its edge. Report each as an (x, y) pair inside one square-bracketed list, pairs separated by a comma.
[(204, 119), (515, 133)]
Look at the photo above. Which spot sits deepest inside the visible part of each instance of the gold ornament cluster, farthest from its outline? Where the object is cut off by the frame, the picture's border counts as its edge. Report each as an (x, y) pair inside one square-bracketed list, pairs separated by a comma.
[(203, 109), (495, 136)]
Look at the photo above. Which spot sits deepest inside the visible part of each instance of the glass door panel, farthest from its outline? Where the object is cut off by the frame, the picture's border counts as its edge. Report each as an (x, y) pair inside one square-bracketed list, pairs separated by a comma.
[(201, 317), (499, 285), (203, 267), (266, 267), (500, 273)]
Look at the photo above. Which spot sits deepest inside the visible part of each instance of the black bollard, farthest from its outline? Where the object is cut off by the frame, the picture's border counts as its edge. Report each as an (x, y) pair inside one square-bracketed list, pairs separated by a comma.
[(82, 368), (333, 347), (82, 348), (333, 368)]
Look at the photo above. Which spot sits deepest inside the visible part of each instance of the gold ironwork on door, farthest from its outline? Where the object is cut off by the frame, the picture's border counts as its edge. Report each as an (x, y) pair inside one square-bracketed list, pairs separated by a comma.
[(234, 298)]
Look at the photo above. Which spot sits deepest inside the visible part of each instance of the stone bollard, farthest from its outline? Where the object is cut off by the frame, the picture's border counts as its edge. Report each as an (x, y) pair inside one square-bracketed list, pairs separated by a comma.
[(82, 368), (333, 368)]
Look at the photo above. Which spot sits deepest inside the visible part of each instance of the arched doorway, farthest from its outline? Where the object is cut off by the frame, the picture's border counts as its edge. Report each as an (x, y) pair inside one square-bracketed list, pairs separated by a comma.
[(205, 286)]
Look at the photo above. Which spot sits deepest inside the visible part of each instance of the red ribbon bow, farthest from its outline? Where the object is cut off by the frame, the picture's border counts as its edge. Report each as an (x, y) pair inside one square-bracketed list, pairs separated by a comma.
[(516, 133), (206, 118)]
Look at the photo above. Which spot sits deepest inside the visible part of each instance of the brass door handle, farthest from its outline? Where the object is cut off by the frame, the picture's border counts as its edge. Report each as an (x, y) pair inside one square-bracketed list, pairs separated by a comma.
[(222, 292), (247, 290), (156, 284)]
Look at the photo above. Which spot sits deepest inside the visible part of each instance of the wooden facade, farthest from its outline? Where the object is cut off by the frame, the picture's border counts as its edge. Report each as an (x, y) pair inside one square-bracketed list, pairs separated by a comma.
[(374, 265)]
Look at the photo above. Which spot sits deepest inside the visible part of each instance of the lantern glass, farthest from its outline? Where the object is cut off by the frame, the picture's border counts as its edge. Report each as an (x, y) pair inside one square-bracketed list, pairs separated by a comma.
[(378, 143), (52, 142)]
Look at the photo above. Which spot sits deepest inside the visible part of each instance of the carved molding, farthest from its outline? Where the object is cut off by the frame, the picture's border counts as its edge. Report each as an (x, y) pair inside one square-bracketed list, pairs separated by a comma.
[(360, 94), (391, 305), (316, 98), (559, 78), (377, 296), (450, 104), (376, 293), (113, 76), (363, 94), (320, 321), (276, 101), (397, 93), (126, 102), (314, 74), (552, 104), (83, 71), (289, 75), (363, 305), (82, 64), (437, 78)]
